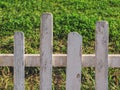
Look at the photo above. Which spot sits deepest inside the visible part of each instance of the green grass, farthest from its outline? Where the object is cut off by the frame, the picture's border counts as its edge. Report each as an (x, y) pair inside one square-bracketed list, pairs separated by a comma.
[(59, 78), (69, 15)]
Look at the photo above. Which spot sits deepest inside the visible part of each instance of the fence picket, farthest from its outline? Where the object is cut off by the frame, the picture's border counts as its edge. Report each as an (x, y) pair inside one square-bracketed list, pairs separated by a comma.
[(46, 52), (101, 55), (74, 55), (19, 61)]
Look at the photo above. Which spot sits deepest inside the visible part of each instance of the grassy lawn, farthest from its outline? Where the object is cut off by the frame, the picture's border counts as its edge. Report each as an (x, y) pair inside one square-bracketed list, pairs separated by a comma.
[(69, 15)]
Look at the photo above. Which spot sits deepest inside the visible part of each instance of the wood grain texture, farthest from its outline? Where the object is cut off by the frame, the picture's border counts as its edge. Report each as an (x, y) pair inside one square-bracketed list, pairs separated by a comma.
[(101, 52), (19, 65), (74, 59), (59, 60), (46, 51)]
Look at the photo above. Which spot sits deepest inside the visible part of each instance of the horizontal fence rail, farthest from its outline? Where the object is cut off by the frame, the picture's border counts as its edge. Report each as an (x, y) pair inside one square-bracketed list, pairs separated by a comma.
[(59, 60)]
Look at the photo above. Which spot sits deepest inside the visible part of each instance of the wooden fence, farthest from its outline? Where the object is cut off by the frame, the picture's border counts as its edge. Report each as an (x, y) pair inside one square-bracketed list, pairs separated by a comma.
[(73, 60)]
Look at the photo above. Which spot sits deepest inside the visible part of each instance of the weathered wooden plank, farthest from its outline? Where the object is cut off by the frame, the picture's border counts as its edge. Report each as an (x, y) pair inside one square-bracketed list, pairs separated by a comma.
[(114, 61), (74, 59), (59, 60), (19, 61), (101, 54), (46, 51)]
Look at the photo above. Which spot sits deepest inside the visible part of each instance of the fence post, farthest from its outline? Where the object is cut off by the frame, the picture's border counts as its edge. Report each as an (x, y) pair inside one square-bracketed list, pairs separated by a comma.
[(19, 61), (46, 51), (101, 54), (74, 58)]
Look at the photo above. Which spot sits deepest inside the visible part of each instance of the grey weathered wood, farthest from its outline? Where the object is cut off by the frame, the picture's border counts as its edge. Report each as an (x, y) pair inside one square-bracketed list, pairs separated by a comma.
[(19, 61), (101, 53), (74, 59), (59, 60), (46, 51)]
